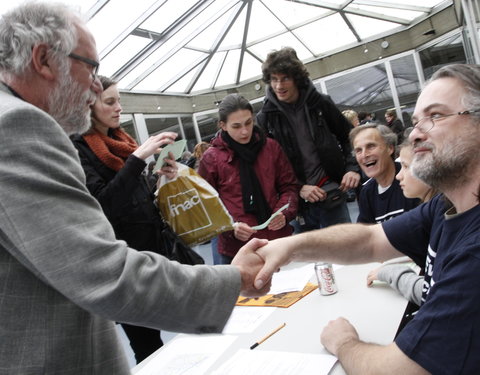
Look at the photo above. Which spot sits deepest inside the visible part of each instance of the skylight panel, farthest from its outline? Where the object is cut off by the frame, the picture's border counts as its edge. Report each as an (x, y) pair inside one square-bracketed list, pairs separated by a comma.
[(367, 27), (329, 3), (292, 13), (181, 85), (114, 18), (166, 14), (122, 54), (149, 64), (207, 79), (176, 65), (263, 23), (284, 40), (326, 34), (395, 13), (229, 69), (208, 36), (251, 68), (234, 37), (423, 3)]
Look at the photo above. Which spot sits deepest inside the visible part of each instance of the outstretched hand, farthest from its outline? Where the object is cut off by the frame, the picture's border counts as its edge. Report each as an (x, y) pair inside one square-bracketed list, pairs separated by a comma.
[(154, 144), (275, 254), (250, 263)]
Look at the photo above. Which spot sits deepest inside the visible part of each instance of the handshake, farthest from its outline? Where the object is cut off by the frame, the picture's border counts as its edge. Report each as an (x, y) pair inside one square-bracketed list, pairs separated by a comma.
[(257, 260)]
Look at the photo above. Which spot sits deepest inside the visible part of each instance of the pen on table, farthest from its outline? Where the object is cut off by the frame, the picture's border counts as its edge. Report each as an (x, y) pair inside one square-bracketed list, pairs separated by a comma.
[(268, 336)]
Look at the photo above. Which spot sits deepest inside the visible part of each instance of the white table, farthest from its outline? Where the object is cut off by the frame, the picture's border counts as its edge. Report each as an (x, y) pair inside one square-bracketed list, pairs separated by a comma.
[(374, 312)]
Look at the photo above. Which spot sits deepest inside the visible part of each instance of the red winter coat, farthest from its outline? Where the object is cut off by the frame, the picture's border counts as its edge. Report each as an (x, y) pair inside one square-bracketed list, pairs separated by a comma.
[(221, 169)]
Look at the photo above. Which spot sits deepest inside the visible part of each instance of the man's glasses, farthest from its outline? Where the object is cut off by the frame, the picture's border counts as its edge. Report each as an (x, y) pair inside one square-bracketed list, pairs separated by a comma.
[(94, 64), (425, 124)]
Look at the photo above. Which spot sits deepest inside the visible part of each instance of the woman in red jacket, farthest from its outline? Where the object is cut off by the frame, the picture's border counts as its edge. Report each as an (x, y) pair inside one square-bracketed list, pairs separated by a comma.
[(252, 176)]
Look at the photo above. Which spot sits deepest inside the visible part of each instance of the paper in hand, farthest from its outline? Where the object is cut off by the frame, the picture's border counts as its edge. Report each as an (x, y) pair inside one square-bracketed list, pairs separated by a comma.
[(175, 148), (265, 224)]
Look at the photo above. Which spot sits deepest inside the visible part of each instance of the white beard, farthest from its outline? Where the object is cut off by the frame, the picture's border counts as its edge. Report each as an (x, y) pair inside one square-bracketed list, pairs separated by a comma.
[(68, 105)]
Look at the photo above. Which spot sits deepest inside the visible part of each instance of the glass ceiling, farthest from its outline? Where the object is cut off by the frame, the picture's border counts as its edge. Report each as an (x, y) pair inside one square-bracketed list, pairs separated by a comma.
[(194, 46)]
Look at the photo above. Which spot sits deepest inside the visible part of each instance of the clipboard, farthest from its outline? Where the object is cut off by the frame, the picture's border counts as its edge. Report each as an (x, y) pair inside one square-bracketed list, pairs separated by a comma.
[(175, 148)]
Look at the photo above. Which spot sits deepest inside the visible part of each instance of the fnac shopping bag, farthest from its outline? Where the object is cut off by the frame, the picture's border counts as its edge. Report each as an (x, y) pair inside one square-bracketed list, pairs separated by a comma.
[(192, 207)]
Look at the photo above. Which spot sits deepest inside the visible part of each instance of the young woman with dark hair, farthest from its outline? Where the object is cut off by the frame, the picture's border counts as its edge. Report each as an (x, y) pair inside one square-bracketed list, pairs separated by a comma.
[(252, 176)]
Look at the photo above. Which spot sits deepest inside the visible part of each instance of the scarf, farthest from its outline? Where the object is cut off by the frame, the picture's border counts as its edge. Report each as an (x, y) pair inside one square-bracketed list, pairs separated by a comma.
[(254, 201), (112, 150)]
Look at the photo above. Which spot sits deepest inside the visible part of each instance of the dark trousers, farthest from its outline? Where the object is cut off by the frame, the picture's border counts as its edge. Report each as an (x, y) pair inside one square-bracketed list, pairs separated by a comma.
[(316, 217), (144, 341)]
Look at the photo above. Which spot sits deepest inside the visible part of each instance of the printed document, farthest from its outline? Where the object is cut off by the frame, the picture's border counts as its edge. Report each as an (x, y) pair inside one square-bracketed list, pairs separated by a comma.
[(248, 362), (187, 355)]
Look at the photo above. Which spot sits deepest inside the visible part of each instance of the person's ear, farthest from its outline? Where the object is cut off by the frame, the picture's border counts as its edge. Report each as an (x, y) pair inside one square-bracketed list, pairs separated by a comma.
[(41, 61), (222, 125), (391, 150)]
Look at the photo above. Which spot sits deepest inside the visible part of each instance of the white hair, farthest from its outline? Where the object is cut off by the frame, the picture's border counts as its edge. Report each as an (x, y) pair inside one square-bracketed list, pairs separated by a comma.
[(30, 24)]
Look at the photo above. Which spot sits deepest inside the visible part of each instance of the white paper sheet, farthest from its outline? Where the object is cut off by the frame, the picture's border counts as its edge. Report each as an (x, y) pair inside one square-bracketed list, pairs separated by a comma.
[(188, 355), (175, 148), (248, 362), (245, 319), (291, 280), (265, 224)]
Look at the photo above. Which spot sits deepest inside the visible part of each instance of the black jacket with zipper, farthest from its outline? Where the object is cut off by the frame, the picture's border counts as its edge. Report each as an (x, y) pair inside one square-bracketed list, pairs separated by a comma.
[(125, 197), (328, 126)]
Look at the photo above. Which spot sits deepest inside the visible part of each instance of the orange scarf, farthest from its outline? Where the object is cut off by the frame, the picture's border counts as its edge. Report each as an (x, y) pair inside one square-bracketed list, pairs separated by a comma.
[(112, 151)]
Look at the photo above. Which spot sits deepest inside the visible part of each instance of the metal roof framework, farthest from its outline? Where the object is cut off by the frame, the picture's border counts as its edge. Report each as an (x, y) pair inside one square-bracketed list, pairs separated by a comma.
[(195, 46)]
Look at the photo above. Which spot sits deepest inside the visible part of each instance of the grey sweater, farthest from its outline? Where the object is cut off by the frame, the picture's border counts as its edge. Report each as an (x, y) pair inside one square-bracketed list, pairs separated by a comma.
[(403, 279)]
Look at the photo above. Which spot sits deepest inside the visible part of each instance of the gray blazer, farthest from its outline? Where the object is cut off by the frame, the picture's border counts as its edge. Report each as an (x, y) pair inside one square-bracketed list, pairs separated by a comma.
[(64, 279)]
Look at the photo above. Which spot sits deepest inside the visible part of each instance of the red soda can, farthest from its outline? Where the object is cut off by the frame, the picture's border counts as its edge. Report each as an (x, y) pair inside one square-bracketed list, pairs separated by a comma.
[(326, 279)]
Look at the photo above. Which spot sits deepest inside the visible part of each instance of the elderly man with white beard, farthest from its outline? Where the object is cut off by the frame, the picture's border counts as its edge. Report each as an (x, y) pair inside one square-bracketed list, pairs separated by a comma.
[(443, 235), (64, 278)]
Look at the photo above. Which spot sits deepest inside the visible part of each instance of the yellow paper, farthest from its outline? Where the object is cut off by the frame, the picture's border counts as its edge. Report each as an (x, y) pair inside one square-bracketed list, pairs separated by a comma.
[(277, 300)]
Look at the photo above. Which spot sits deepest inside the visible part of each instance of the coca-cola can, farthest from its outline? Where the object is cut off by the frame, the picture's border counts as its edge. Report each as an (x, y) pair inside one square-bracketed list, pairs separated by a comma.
[(326, 279)]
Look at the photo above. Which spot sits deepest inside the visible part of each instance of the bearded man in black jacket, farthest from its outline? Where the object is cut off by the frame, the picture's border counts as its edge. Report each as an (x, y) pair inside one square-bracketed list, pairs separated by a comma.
[(314, 134)]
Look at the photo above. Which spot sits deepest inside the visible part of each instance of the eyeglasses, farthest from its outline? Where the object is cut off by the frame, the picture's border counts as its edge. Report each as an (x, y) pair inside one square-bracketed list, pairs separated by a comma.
[(94, 64), (429, 121)]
